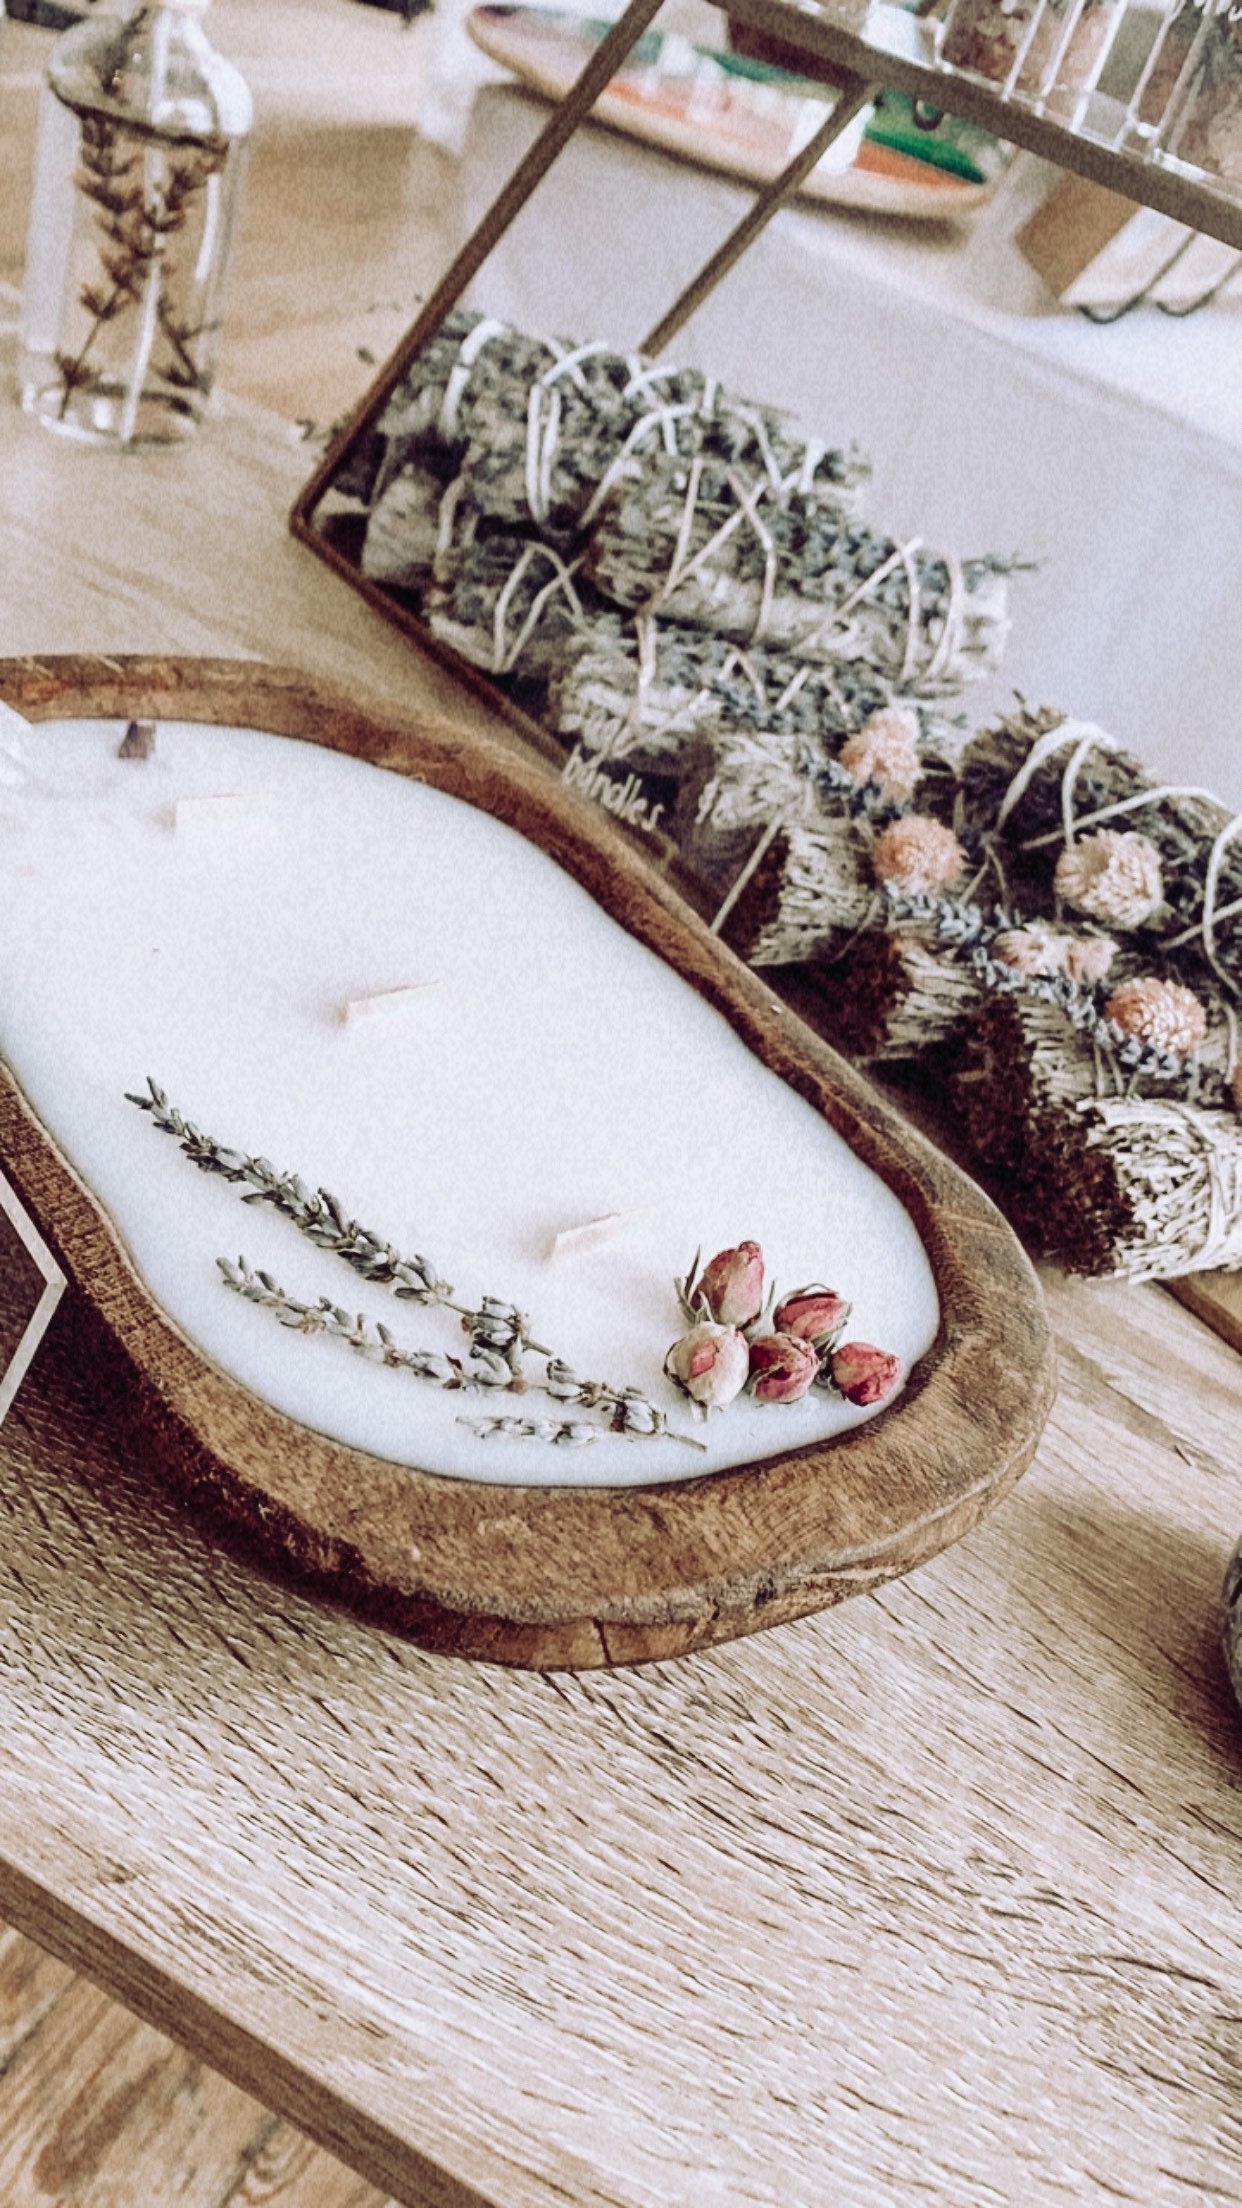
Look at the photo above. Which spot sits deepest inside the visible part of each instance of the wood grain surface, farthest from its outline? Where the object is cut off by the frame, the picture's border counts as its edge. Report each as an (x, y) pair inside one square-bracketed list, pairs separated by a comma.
[(931, 1897), (567, 1576)]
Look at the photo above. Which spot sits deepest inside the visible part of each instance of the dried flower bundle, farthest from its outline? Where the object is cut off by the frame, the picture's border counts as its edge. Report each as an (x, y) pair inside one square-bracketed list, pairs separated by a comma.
[(639, 689), (1142, 1186), (809, 894), (1066, 811)]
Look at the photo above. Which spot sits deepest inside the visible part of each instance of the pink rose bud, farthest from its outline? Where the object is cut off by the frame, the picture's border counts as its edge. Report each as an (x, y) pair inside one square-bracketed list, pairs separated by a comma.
[(814, 1315), (865, 1374), (731, 1284), (782, 1368), (711, 1363)]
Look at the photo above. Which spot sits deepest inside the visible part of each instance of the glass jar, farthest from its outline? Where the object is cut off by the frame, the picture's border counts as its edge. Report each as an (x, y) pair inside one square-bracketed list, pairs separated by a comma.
[(988, 38), (1069, 47), (1162, 73), (1202, 126), (1047, 51), (138, 173)]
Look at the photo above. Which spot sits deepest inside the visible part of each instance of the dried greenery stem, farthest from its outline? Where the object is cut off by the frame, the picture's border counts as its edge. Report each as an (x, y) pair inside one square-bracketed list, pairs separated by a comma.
[(373, 1341), (566, 1433), (498, 1331), (625, 1411), (143, 194)]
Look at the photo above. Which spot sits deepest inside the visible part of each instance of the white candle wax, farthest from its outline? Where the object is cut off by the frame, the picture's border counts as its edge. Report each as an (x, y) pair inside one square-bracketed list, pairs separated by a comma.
[(557, 1072)]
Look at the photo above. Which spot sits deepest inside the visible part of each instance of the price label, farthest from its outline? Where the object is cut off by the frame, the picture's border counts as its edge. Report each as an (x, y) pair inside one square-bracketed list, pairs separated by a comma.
[(31, 1286)]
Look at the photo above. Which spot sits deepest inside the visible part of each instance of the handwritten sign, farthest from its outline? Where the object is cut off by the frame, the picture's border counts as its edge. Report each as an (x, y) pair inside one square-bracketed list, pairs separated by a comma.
[(631, 798), (31, 1286)]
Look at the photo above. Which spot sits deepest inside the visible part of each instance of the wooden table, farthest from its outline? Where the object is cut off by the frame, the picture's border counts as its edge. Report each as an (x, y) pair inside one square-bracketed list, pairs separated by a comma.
[(931, 1898)]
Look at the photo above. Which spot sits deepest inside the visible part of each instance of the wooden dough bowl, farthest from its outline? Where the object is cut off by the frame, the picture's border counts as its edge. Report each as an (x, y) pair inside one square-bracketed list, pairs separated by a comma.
[(551, 1577)]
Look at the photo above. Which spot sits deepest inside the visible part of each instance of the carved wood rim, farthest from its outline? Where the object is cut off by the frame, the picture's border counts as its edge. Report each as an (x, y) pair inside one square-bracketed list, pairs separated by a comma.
[(565, 1576)]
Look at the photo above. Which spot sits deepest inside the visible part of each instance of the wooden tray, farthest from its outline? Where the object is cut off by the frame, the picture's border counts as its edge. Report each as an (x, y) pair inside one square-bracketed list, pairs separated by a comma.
[(559, 1576)]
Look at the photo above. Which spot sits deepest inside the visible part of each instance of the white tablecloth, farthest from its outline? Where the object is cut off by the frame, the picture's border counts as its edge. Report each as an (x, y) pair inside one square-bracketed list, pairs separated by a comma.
[(1112, 457)]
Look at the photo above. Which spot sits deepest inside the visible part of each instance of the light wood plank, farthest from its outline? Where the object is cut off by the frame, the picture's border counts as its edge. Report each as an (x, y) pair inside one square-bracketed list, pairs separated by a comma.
[(1216, 1298), (31, 1983), (99, 2111), (930, 1897)]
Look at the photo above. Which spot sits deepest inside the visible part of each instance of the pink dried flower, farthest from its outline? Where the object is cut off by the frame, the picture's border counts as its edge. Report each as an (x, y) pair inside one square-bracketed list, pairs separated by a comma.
[(711, 1363), (865, 1374), (1161, 1013), (885, 751), (918, 855), (1113, 874), (813, 1314), (782, 1368), (1089, 957), (731, 1285), (1032, 950)]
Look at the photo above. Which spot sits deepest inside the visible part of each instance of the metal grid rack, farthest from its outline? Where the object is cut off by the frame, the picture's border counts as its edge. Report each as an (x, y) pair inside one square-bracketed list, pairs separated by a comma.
[(892, 47)]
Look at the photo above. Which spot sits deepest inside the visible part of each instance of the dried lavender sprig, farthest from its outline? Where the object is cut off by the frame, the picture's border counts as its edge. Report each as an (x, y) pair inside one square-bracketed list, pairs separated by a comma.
[(628, 1412), (357, 1332), (567, 1433), (498, 1331), (322, 1218)]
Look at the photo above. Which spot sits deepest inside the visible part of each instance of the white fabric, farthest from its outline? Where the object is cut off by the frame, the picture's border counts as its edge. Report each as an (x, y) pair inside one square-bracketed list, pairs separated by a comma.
[(1113, 457)]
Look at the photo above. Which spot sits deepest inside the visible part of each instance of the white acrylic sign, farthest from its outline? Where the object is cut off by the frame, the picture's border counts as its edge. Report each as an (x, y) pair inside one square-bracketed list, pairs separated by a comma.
[(53, 1288)]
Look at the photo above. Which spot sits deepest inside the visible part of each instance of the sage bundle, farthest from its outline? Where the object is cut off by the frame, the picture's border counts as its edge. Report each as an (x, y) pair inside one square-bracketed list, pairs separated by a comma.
[(635, 688), (1107, 1175), (540, 428), (507, 604), (724, 548), (895, 994), (746, 787), (735, 795), (809, 892)]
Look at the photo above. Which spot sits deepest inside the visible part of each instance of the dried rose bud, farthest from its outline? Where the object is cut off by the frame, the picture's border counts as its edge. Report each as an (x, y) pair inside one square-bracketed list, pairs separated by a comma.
[(885, 750), (1114, 874), (731, 1284), (864, 1374), (1089, 957), (1161, 1013), (918, 855), (711, 1363), (782, 1368), (814, 1315)]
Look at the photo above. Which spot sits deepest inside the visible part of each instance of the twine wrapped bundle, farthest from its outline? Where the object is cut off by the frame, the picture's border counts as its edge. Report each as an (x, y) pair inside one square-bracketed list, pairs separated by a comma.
[(508, 604), (897, 994), (636, 688), (407, 526), (1038, 784), (811, 891), (541, 429), (1143, 1186), (723, 548), (732, 800)]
